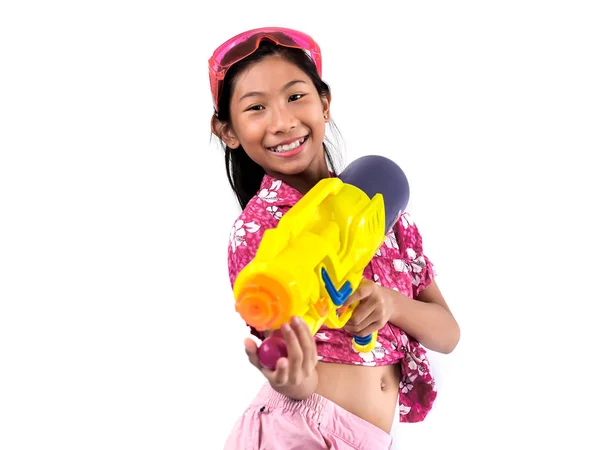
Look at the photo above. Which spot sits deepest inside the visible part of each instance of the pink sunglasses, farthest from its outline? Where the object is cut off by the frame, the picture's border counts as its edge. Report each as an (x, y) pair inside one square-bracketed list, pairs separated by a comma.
[(246, 43)]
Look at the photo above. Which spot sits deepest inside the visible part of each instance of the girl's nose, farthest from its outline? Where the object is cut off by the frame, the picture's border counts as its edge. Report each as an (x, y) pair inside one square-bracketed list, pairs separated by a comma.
[(282, 121)]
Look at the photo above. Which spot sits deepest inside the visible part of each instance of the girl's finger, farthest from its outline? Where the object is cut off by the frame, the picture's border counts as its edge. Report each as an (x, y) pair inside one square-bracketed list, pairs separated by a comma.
[(363, 291), (281, 374), (362, 329), (370, 329), (252, 352), (307, 344), (362, 311), (294, 350)]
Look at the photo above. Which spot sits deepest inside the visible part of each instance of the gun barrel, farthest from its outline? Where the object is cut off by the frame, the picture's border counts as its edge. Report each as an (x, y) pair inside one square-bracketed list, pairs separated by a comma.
[(263, 302)]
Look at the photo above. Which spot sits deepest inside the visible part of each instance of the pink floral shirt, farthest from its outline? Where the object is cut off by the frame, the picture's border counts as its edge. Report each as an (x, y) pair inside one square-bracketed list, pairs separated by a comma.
[(399, 264)]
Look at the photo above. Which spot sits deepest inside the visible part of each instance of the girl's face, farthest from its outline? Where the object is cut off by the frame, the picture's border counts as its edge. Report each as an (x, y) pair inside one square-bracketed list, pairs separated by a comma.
[(278, 117)]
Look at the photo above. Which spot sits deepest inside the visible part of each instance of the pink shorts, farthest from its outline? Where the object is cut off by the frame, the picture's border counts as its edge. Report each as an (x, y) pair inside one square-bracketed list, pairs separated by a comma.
[(276, 422)]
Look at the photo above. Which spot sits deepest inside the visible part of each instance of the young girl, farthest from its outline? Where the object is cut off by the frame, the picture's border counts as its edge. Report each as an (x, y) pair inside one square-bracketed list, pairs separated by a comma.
[(271, 110)]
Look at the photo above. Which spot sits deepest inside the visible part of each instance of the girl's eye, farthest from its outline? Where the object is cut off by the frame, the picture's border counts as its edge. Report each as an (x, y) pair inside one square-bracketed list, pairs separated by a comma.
[(255, 108), (295, 97)]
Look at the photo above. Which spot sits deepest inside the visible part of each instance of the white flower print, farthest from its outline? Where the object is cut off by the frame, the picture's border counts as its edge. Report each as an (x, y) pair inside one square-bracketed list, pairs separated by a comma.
[(237, 236), (376, 279), (369, 357), (407, 221), (400, 265), (412, 365), (403, 343), (406, 383), (406, 388), (274, 211), (270, 195), (416, 279), (322, 336), (416, 265), (404, 410), (390, 241)]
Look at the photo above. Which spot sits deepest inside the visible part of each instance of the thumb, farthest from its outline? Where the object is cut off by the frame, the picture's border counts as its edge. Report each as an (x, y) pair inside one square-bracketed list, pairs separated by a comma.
[(252, 352), (360, 293)]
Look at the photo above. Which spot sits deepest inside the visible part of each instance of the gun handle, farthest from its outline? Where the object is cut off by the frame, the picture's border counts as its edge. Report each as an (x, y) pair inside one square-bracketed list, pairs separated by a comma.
[(365, 344)]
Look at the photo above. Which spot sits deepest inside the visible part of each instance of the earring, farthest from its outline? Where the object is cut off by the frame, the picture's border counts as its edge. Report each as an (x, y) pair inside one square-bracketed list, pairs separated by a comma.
[(325, 116)]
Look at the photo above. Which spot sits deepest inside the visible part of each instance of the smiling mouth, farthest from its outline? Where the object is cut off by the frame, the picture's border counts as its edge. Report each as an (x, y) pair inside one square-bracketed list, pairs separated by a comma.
[(288, 147)]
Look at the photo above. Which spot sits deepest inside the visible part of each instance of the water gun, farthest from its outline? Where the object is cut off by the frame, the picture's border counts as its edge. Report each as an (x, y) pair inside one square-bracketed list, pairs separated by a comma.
[(315, 258)]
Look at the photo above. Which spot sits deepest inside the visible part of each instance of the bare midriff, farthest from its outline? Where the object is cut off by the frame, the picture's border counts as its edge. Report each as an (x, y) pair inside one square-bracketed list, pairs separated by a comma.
[(370, 393)]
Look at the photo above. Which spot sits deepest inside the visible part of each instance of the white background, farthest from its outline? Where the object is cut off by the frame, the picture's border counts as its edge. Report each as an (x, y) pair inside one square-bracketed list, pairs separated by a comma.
[(117, 328)]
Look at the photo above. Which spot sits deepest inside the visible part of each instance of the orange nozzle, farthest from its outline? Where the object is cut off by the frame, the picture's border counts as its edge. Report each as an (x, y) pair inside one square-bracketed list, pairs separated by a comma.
[(263, 303)]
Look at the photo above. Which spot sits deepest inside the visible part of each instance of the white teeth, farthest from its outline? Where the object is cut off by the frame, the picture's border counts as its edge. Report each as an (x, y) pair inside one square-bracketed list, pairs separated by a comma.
[(288, 147)]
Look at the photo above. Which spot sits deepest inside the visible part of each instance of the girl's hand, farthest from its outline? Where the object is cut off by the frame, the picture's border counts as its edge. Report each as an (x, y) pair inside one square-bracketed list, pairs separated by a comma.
[(373, 311), (301, 360)]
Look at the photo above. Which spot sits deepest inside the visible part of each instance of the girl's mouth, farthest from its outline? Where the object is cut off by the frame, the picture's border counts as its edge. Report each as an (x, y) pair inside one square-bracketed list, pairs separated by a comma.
[(287, 149)]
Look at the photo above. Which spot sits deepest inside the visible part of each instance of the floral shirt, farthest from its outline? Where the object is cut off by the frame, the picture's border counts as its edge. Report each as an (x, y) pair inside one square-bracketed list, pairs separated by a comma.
[(399, 264)]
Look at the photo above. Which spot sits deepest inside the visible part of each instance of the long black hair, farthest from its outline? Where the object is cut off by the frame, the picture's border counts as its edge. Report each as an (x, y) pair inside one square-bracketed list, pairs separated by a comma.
[(245, 176)]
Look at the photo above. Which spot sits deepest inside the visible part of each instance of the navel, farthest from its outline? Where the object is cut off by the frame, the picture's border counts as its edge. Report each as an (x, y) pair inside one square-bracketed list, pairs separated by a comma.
[(384, 385)]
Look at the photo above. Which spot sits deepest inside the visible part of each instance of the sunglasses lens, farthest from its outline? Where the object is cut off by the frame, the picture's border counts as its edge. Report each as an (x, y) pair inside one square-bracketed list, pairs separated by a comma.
[(237, 51), (248, 46)]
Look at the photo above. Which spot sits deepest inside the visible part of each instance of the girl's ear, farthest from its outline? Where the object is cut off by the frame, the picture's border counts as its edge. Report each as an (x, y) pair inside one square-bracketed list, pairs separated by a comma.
[(326, 102), (224, 132)]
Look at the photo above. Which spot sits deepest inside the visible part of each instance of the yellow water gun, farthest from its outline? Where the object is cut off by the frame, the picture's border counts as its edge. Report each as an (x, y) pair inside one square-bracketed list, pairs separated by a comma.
[(315, 258)]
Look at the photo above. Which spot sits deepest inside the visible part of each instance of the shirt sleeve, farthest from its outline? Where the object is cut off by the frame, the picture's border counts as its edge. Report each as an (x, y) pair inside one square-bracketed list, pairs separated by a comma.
[(419, 266), (244, 240), (243, 245)]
